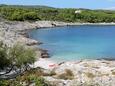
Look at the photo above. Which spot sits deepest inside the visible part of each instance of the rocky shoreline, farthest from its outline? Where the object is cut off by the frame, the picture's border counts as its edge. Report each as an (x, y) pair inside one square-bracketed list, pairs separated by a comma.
[(18, 30), (84, 73), (78, 72)]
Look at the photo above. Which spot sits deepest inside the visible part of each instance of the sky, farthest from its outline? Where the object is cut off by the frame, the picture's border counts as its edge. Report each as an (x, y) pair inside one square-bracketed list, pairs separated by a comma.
[(90, 4)]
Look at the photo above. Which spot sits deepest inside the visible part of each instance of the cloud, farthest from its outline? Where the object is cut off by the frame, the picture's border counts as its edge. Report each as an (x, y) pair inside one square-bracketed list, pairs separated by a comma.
[(109, 8)]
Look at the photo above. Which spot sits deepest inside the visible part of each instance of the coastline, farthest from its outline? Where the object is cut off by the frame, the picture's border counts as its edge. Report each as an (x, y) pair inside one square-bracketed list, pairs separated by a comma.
[(96, 71), (12, 32), (17, 32)]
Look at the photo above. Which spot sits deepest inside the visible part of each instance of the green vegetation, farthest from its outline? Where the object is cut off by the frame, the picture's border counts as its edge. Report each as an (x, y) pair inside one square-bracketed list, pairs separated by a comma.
[(18, 58), (33, 13), (31, 77), (15, 58), (4, 60)]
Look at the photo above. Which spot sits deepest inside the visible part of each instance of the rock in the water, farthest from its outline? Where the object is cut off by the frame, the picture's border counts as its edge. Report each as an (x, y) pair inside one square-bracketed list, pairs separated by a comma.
[(44, 54)]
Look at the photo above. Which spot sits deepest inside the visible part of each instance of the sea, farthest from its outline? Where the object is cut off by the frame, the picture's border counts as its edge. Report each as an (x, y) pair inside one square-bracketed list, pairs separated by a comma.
[(69, 43)]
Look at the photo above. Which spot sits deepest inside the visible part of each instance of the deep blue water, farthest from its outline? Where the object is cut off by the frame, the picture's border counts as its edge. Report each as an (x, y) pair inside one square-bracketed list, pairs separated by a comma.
[(77, 42)]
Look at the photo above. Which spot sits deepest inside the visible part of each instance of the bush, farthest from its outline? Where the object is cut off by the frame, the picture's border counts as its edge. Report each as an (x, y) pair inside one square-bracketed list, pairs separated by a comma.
[(3, 83), (67, 75), (89, 75), (32, 76), (21, 55), (37, 80), (31, 79), (30, 16), (17, 16), (4, 60), (16, 57)]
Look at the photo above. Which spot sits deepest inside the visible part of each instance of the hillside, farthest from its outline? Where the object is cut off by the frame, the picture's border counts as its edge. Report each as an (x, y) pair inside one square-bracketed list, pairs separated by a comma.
[(34, 13), (25, 6)]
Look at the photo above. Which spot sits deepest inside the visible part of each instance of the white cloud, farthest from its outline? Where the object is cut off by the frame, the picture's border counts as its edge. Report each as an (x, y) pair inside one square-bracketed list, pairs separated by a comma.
[(109, 8)]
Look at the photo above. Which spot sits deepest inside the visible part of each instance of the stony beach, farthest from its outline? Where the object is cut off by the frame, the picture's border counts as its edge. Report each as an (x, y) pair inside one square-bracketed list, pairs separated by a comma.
[(91, 72)]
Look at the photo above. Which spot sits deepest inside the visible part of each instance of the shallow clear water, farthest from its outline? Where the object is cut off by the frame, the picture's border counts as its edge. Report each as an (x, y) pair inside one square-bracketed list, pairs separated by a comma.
[(77, 42)]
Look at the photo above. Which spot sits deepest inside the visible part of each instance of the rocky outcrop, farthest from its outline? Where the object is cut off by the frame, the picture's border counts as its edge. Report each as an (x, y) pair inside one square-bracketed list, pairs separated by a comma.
[(86, 73), (44, 53), (11, 32)]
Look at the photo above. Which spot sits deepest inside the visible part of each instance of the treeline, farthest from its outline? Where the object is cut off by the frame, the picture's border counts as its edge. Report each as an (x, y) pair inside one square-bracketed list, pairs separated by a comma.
[(17, 13)]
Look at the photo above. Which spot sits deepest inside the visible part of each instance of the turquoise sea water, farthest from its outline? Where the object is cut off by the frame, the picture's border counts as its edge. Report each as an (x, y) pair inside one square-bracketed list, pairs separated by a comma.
[(77, 42)]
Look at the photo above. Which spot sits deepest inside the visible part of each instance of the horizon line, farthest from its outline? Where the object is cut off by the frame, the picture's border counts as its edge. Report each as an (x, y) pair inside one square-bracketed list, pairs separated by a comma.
[(109, 8)]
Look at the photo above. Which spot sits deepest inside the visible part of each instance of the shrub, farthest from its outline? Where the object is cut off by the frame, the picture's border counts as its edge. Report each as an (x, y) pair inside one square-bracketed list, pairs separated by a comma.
[(21, 55), (89, 75), (30, 16), (3, 83), (4, 60), (37, 80), (9, 83), (113, 72), (67, 75), (27, 78), (17, 16), (16, 57), (52, 73)]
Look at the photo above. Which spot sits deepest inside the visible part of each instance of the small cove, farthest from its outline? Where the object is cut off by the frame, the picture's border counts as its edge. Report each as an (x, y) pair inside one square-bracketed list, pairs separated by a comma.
[(71, 43)]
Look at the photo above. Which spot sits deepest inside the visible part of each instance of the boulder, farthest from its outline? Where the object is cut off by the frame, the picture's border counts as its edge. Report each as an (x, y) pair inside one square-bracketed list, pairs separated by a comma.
[(44, 54)]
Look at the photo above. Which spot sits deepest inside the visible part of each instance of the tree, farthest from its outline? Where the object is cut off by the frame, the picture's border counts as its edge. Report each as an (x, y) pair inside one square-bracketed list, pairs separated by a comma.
[(16, 16), (30, 16), (16, 58), (21, 56), (24, 13)]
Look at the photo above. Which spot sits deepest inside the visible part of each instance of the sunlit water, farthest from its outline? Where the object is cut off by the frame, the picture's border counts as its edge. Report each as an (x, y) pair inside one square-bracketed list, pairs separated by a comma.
[(77, 42)]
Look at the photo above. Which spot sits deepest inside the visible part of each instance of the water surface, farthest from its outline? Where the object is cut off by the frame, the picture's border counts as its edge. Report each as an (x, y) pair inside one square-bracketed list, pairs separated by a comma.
[(77, 42)]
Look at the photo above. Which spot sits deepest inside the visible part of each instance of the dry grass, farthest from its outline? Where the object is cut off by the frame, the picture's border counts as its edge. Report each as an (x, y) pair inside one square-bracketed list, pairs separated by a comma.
[(52, 73), (67, 75), (89, 75), (113, 73)]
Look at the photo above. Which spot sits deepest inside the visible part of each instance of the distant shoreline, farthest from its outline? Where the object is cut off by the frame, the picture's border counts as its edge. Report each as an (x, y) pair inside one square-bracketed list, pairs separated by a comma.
[(91, 23)]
